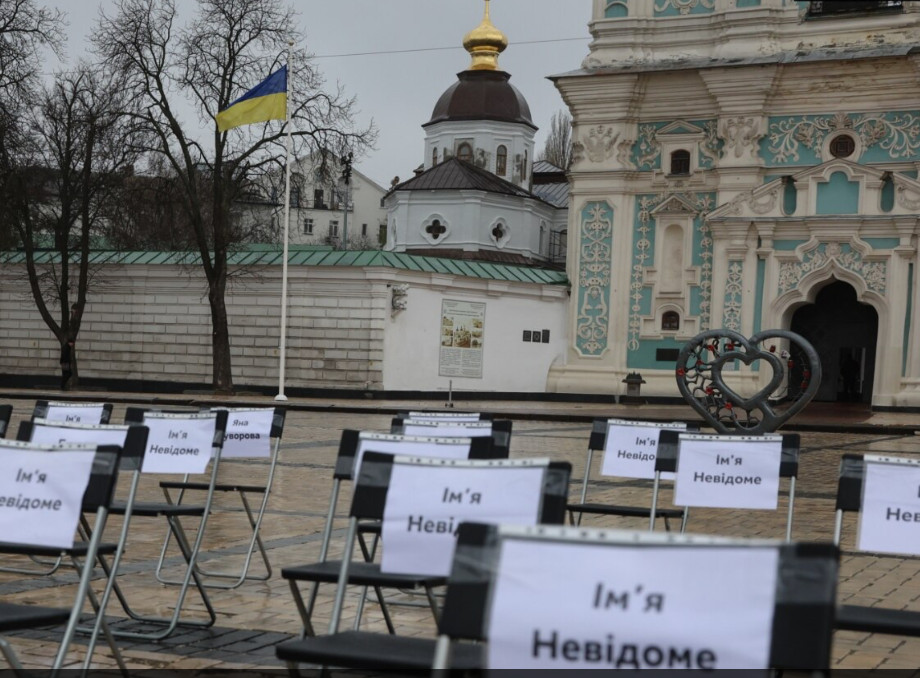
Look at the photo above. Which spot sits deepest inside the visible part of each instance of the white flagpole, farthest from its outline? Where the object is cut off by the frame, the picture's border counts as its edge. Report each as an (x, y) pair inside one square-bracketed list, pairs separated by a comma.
[(287, 223)]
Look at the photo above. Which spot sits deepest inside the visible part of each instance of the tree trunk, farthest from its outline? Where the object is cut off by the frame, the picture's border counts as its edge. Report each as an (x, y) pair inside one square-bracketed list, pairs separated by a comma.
[(222, 376)]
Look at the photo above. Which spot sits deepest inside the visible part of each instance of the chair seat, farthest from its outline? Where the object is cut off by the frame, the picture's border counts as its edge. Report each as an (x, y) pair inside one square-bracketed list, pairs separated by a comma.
[(13, 617), (878, 620), (364, 650), (359, 574), (157, 509), (629, 511), (220, 487), (78, 549)]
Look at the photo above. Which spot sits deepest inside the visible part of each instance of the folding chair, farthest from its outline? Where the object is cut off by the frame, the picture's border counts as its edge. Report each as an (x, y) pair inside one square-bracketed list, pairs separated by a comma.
[(445, 416), (70, 479), (43, 432), (73, 413), (498, 429), (252, 433), (404, 492), (178, 442), (667, 461), (775, 601), (604, 434), (352, 447), (6, 411), (850, 489)]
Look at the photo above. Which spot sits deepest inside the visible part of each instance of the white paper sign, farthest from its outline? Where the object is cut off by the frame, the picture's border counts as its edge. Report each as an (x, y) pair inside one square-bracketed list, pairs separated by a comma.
[(59, 434), (412, 446), (577, 606), (41, 494), (77, 413), (248, 433), (178, 444), (425, 505), (727, 472), (631, 448), (448, 429), (889, 521), (444, 416)]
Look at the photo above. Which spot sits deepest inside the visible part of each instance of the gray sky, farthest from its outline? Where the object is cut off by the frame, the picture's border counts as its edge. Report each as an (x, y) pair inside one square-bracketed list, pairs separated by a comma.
[(399, 90)]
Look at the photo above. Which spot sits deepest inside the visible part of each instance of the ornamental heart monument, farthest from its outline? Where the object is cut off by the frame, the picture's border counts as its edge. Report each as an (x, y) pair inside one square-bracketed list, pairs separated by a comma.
[(783, 367)]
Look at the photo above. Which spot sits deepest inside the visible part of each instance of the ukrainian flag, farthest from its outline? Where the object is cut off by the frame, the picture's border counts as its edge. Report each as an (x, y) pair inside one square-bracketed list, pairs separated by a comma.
[(265, 101)]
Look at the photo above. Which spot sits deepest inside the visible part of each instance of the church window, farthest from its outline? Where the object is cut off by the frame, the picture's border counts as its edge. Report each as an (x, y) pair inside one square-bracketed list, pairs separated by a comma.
[(790, 195), (886, 197), (435, 229), (501, 160), (842, 146), (465, 152), (670, 321), (680, 162), (524, 168), (434, 156)]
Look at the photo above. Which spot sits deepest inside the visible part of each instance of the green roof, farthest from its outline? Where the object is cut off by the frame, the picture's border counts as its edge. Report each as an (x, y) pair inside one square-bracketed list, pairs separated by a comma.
[(324, 257)]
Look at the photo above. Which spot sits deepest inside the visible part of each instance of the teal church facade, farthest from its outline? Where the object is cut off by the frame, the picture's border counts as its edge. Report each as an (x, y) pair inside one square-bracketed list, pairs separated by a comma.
[(750, 165)]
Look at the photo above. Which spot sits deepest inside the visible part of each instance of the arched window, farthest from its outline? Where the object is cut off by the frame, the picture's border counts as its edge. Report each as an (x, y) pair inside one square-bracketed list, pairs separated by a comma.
[(434, 156), (670, 321), (680, 162), (465, 152), (524, 168), (501, 160)]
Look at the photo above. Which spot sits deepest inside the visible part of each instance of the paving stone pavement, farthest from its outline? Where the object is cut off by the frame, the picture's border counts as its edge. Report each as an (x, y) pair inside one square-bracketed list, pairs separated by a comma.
[(258, 615)]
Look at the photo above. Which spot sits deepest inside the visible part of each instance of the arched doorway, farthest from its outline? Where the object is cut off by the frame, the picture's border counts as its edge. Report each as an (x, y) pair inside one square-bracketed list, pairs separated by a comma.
[(844, 333)]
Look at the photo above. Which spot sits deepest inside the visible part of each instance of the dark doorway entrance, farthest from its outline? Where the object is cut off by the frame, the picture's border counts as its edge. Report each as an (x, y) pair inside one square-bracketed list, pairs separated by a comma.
[(844, 333)]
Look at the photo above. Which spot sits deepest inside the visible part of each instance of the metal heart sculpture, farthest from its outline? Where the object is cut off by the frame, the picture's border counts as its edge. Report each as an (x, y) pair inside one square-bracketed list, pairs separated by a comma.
[(795, 380)]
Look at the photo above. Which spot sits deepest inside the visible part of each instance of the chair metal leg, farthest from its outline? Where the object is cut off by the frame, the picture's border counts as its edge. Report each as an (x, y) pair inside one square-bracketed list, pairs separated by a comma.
[(11, 658), (302, 609)]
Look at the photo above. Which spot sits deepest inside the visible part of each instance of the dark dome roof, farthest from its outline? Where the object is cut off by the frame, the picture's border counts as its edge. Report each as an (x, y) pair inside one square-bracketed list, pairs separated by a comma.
[(482, 95)]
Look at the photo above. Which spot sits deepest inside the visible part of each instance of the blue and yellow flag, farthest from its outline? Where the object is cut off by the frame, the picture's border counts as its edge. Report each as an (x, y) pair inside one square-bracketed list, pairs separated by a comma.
[(265, 101)]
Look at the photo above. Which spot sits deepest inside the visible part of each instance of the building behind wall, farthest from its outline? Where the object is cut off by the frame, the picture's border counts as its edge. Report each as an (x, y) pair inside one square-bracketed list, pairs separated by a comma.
[(751, 165)]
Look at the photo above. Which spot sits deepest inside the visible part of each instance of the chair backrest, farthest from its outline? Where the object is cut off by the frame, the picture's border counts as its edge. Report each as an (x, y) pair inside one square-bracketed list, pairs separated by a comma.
[(132, 439), (6, 412), (629, 446), (883, 490), (353, 444), (179, 442), (250, 430), (422, 502), (100, 487), (669, 448), (577, 598), (74, 413), (499, 430)]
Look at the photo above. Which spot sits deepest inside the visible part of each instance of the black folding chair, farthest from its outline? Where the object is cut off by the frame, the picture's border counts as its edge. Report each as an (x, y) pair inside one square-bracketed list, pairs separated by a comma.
[(861, 617), (499, 430), (6, 412), (238, 444), (372, 499), (422, 415), (97, 499), (669, 452), (803, 613), (598, 443), (73, 413), (352, 446), (215, 422)]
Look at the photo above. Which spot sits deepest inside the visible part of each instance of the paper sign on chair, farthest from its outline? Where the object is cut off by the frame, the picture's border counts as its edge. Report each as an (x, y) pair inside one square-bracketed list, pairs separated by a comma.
[(248, 433), (631, 446), (631, 607), (426, 504), (49, 484), (178, 445), (728, 471), (890, 518)]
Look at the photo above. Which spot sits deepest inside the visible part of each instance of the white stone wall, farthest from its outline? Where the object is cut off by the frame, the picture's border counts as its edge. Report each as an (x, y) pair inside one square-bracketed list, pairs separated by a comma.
[(152, 323)]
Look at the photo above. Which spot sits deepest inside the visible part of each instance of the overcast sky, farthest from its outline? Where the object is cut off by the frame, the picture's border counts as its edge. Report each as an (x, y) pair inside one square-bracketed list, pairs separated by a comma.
[(399, 90)]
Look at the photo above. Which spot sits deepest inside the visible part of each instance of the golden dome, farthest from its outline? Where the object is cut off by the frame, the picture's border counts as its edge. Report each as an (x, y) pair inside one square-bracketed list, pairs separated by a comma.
[(485, 43)]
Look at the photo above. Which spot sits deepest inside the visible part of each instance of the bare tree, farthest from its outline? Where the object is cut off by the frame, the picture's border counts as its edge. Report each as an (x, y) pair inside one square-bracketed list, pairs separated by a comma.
[(77, 150), (228, 47), (558, 147), (25, 29)]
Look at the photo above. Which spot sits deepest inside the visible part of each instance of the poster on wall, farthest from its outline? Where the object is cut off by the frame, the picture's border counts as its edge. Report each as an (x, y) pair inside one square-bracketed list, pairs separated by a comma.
[(462, 332)]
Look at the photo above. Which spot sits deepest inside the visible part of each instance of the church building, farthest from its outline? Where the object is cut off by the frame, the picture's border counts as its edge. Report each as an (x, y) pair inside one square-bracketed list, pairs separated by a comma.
[(750, 165)]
